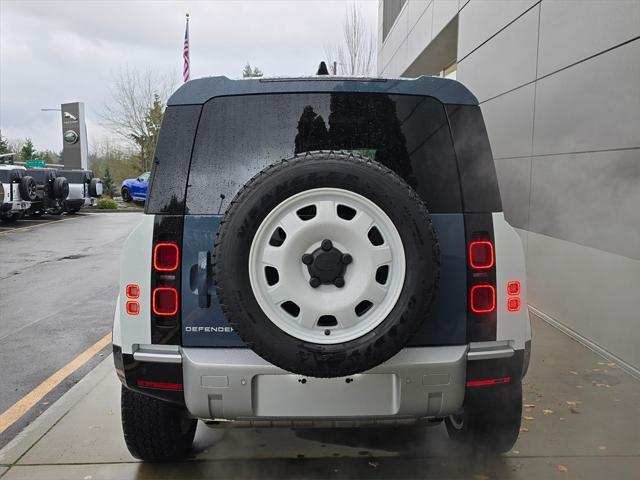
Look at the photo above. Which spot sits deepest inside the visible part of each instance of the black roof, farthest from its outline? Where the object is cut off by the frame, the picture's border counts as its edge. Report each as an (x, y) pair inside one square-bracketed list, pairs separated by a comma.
[(199, 91)]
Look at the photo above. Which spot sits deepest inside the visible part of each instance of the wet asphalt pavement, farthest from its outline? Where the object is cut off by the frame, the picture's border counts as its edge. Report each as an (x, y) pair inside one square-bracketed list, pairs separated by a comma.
[(58, 284)]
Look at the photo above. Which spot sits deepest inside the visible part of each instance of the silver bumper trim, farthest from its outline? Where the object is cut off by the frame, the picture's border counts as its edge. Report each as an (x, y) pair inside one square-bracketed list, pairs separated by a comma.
[(489, 350)]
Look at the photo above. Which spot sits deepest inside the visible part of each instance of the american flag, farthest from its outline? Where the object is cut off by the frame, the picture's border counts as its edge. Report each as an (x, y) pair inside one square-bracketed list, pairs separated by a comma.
[(185, 53)]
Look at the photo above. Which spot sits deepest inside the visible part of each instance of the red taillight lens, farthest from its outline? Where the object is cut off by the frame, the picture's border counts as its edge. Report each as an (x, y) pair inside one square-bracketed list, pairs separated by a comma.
[(133, 291), (483, 299), (487, 382), (513, 304), (513, 287), (133, 308), (166, 257), (159, 385), (481, 254), (165, 301)]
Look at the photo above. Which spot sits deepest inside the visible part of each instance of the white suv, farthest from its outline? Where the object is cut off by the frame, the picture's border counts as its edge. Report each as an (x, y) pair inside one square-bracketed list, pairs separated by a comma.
[(17, 192), (321, 251)]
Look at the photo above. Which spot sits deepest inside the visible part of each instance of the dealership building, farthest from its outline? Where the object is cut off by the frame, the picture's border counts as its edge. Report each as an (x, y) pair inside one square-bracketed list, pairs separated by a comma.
[(559, 86)]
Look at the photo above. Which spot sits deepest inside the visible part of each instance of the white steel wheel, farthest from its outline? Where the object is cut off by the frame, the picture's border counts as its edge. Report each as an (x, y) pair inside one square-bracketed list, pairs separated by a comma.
[(327, 265)]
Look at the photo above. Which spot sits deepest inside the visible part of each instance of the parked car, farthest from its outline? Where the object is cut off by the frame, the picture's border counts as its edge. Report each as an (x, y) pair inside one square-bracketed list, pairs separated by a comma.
[(51, 192), (135, 189), (17, 192), (84, 190), (321, 250)]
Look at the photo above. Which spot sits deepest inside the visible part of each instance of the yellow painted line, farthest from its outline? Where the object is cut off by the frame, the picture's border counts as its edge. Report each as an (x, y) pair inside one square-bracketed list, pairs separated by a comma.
[(22, 406)]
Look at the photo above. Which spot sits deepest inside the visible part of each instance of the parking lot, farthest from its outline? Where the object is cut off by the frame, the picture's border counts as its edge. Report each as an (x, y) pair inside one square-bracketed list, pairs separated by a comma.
[(58, 282)]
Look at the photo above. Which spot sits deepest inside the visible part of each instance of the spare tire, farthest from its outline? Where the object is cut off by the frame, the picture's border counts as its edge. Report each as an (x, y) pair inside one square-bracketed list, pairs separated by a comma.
[(95, 187), (60, 188), (326, 264), (28, 188)]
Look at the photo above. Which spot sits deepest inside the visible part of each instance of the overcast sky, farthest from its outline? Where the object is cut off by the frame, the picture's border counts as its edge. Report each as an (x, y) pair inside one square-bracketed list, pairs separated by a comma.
[(52, 52)]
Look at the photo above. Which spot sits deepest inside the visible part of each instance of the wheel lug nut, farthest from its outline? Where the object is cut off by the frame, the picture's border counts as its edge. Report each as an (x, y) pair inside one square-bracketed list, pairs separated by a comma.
[(326, 245), (307, 259), (314, 282), (339, 282), (346, 258)]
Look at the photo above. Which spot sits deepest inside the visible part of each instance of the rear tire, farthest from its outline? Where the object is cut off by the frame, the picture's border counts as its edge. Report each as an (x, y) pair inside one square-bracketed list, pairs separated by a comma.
[(126, 196), (155, 431), (490, 419), (11, 218)]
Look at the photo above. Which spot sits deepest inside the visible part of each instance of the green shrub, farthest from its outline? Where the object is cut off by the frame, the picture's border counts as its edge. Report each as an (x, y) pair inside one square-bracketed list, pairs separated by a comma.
[(106, 204)]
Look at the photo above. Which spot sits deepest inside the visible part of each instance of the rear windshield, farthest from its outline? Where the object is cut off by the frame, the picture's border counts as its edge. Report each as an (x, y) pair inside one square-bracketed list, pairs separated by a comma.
[(239, 136)]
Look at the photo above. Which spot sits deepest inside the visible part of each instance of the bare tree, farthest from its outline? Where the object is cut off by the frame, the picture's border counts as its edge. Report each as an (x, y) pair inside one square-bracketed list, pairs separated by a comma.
[(355, 56), (131, 112)]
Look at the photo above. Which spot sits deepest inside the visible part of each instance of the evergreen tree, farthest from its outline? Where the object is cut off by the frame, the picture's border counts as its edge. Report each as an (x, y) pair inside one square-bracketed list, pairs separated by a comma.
[(108, 185), (28, 150), (4, 145), (249, 72)]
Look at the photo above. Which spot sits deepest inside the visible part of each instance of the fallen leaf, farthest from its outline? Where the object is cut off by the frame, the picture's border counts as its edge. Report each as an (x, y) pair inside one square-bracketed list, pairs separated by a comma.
[(573, 372), (611, 364), (562, 468), (573, 410), (595, 370), (527, 417), (601, 363), (602, 447), (600, 385), (373, 464), (529, 405), (524, 429), (516, 452), (562, 418), (578, 386), (547, 411), (573, 403)]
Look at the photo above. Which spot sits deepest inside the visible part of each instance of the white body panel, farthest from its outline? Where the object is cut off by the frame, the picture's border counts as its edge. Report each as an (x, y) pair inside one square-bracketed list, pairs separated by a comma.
[(17, 203), (132, 330), (510, 265), (76, 191)]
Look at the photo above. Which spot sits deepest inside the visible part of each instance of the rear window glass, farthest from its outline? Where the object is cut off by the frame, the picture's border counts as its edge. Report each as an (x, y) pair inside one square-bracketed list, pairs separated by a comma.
[(171, 161), (240, 135)]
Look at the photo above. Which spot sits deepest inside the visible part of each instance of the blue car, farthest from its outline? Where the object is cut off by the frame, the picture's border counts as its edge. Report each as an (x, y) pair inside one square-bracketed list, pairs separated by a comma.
[(135, 188)]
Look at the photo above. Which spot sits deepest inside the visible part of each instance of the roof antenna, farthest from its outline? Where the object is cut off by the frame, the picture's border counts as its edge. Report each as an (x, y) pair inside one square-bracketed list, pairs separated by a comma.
[(322, 69)]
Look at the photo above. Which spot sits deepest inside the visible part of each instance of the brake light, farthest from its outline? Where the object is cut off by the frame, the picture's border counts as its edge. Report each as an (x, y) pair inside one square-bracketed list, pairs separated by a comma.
[(487, 382), (165, 301), (481, 255), (166, 257), (513, 287), (133, 291), (483, 298)]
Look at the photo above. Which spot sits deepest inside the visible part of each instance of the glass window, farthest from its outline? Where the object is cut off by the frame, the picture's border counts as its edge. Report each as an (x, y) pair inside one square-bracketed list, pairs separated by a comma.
[(239, 136)]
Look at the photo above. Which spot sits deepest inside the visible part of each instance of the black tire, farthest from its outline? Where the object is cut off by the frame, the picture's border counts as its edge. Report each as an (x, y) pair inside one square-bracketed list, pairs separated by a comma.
[(126, 196), (155, 431), (60, 188), (315, 170), (11, 217), (28, 188), (93, 187), (490, 419)]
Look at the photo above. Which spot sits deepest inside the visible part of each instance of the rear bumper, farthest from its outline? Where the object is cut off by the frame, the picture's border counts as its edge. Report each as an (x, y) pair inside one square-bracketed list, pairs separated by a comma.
[(15, 206), (237, 384)]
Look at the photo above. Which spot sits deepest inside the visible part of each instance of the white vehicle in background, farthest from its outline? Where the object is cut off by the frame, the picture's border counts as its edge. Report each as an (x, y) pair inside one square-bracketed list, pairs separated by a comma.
[(84, 190), (17, 191)]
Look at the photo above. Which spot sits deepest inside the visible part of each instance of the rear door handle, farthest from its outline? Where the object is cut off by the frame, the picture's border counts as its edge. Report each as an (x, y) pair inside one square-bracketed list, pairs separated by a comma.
[(204, 267)]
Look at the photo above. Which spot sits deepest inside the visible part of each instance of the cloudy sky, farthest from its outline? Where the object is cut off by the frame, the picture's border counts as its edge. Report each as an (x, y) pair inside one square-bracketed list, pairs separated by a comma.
[(52, 52)]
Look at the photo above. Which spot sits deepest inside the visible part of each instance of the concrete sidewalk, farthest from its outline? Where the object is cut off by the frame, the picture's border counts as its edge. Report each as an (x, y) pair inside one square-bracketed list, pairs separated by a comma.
[(582, 421)]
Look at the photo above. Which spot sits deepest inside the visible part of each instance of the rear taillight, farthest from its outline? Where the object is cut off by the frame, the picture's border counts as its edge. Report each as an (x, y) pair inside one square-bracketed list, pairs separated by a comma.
[(481, 255), (165, 301), (513, 300), (487, 382), (483, 298), (166, 257)]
